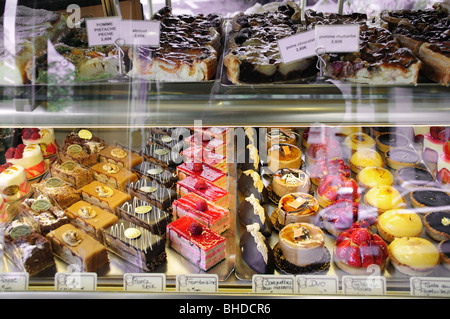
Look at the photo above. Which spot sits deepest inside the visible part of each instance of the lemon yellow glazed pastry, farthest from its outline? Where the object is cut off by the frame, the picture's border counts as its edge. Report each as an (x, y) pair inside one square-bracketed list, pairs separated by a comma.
[(397, 223), (365, 157), (384, 198), (372, 176)]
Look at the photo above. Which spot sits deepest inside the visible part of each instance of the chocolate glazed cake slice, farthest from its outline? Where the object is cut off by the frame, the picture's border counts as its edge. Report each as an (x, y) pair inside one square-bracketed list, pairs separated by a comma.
[(153, 193)]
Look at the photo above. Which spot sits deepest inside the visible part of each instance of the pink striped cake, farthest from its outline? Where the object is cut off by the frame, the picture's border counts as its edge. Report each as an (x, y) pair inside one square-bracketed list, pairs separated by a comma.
[(203, 171), (206, 190)]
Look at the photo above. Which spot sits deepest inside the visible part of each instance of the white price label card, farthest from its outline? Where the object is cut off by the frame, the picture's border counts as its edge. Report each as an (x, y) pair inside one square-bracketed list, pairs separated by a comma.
[(297, 47), (430, 286), (201, 283), (317, 285), (338, 37), (103, 31), (144, 282), (279, 284), (135, 32), (76, 281), (14, 281), (364, 285)]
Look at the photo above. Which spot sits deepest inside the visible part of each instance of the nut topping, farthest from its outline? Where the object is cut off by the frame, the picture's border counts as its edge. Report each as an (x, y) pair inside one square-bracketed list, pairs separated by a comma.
[(87, 212), (104, 191), (72, 238), (111, 168)]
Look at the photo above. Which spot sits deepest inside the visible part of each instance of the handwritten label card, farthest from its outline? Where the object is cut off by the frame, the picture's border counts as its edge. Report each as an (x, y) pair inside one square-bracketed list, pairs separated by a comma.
[(297, 47), (103, 31), (364, 285), (14, 281), (76, 281), (279, 284), (144, 282), (430, 286), (197, 283), (317, 285), (338, 38), (140, 32)]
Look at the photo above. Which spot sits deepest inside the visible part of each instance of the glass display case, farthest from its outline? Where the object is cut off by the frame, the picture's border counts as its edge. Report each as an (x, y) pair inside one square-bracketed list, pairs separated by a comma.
[(181, 170)]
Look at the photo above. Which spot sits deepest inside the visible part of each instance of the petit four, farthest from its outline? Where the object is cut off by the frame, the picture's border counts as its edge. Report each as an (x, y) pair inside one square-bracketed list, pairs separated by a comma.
[(45, 138), (250, 182), (357, 248), (250, 211), (276, 136), (103, 196), (198, 153), (75, 247), (444, 253), (217, 145), (398, 158), (162, 156), (436, 199), (323, 167), (290, 180), (384, 198), (13, 182), (58, 191), (90, 218), (437, 225), (357, 141), (396, 223), (364, 158), (155, 172), (297, 208), (284, 156), (113, 175), (86, 138), (208, 191), (372, 176), (29, 250), (73, 173), (118, 155), (153, 193), (391, 140), (143, 214), (197, 243), (412, 177), (256, 251), (203, 171), (136, 245), (43, 214), (80, 154), (413, 256), (29, 157), (207, 214), (334, 187)]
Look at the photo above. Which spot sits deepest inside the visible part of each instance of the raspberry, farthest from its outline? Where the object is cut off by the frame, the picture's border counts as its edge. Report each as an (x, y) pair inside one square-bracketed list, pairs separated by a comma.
[(201, 185), (35, 136), (10, 152), (34, 130), (196, 229), (26, 133), (18, 154), (197, 167), (21, 147), (201, 205)]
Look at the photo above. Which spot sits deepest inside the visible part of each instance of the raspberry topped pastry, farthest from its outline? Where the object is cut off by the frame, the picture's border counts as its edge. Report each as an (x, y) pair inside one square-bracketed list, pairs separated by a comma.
[(45, 138), (29, 157), (331, 148)]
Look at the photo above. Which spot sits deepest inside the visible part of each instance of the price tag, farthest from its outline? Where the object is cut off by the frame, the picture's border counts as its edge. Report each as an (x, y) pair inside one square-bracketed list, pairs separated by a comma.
[(76, 281), (429, 286), (14, 281), (140, 32), (338, 38), (364, 285), (282, 284), (297, 47), (144, 282), (197, 283), (317, 285), (103, 31)]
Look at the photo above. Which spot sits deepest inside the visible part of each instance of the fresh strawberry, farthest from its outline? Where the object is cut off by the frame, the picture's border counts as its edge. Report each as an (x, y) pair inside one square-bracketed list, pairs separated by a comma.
[(383, 246), (446, 149), (196, 229), (197, 167), (201, 185), (18, 154), (354, 256), (443, 176), (331, 193), (343, 249), (360, 236), (435, 131), (21, 147), (366, 255), (34, 130), (377, 253), (343, 236)]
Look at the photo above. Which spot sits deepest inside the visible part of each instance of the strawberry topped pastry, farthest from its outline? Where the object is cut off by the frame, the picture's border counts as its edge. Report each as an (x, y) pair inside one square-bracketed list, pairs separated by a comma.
[(433, 143), (45, 138), (29, 157), (13, 182), (325, 166), (357, 248), (335, 187)]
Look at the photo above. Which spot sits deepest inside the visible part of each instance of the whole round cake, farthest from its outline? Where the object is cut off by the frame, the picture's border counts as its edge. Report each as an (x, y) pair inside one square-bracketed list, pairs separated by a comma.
[(29, 157), (284, 156), (13, 182), (290, 180), (297, 208), (396, 223)]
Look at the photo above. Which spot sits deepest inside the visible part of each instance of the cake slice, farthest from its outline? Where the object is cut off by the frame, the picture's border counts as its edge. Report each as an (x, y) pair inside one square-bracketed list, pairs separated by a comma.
[(153, 193), (197, 243), (72, 173), (86, 138), (103, 196), (203, 171), (155, 172), (161, 155), (113, 175), (207, 214), (208, 191), (80, 154), (75, 247), (136, 245), (198, 153), (120, 156), (58, 191)]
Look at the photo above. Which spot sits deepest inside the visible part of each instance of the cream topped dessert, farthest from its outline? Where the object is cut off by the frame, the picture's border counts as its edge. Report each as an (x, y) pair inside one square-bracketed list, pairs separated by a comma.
[(13, 182), (290, 180)]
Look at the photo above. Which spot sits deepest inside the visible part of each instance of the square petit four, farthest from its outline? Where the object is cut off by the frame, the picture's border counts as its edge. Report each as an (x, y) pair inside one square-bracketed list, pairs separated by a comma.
[(58, 191), (207, 214), (206, 190), (197, 243), (85, 137), (80, 154), (198, 153), (113, 175), (216, 145), (73, 173), (103, 196), (43, 214), (90, 218), (141, 213), (75, 247), (161, 155), (153, 193), (136, 245), (157, 173), (203, 171), (118, 155)]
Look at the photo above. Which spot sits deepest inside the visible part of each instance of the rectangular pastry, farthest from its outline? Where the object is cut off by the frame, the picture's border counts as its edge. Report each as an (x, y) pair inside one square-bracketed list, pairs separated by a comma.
[(113, 175), (75, 247), (213, 144), (157, 173), (163, 156), (207, 214), (168, 141), (120, 156), (212, 132), (73, 173), (103, 196), (203, 171), (153, 193), (141, 213), (197, 243), (58, 191), (208, 191), (136, 245), (90, 218), (86, 138), (200, 154), (80, 154)]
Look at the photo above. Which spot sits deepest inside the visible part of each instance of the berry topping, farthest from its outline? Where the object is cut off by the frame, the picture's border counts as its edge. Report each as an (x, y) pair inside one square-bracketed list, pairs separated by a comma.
[(446, 149), (201, 205), (196, 229), (197, 167), (435, 131), (10, 153), (444, 135), (201, 185), (443, 176), (26, 134), (35, 136)]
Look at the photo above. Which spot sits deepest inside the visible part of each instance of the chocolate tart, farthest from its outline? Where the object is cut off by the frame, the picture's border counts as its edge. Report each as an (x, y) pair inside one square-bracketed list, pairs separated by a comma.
[(430, 199), (388, 141), (444, 253), (413, 177), (437, 225), (398, 158)]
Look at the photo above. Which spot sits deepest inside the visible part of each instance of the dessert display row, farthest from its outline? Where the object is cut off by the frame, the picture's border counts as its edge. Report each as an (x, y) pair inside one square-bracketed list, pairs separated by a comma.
[(395, 48), (84, 202), (333, 200)]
